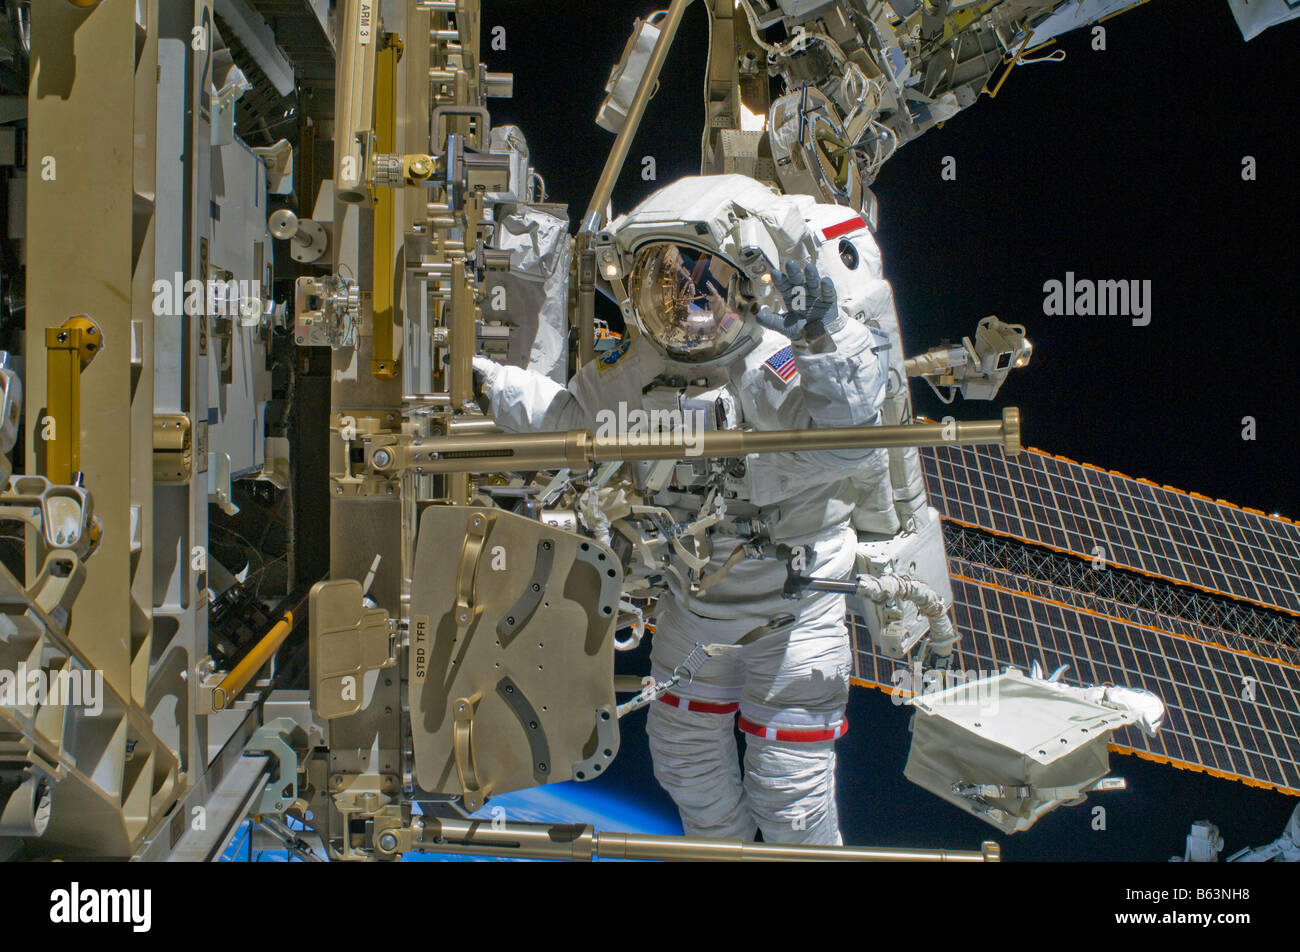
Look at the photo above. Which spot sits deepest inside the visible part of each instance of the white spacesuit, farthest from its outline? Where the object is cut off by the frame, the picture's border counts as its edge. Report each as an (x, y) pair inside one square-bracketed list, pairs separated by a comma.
[(736, 327)]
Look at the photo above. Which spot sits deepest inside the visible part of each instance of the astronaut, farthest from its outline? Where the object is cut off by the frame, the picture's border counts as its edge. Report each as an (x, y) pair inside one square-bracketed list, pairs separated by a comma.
[(746, 309)]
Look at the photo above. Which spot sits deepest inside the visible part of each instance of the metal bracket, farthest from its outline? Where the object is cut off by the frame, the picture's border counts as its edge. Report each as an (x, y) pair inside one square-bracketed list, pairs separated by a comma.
[(532, 725), (982, 792), (58, 583), (219, 483), (278, 159), (606, 745), (608, 573), (62, 515), (478, 112), (221, 102), (65, 532), (532, 595), (173, 456), (273, 738), (69, 349)]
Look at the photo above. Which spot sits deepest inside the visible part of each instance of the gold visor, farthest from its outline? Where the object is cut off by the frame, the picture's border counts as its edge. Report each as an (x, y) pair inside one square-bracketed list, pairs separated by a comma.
[(686, 300)]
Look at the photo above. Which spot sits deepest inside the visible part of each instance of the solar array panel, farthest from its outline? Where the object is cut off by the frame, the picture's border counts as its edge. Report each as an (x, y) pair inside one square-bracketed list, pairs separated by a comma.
[(1134, 524), (1233, 712)]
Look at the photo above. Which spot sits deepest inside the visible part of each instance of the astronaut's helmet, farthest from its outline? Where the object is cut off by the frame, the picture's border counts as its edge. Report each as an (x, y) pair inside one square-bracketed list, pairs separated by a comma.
[(690, 302)]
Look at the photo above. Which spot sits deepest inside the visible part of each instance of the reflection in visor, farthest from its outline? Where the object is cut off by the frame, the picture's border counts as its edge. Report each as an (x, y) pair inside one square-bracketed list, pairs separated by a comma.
[(687, 300)]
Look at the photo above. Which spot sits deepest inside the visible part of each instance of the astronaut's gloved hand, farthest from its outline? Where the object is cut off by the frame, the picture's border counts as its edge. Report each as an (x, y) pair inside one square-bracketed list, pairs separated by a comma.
[(941, 657), (485, 372), (812, 309)]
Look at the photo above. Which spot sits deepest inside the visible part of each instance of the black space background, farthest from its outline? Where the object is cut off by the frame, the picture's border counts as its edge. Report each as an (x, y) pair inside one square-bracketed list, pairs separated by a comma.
[(1122, 164)]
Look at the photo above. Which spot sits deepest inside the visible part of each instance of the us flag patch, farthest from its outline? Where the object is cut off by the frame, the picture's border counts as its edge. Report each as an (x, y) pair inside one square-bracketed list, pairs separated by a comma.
[(782, 364)]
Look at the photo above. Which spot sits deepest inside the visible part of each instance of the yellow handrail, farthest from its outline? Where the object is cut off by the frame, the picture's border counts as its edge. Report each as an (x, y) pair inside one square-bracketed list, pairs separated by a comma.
[(233, 684)]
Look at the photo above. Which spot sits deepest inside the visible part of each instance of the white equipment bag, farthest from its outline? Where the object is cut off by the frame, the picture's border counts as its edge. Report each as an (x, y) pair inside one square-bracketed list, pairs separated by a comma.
[(1012, 747)]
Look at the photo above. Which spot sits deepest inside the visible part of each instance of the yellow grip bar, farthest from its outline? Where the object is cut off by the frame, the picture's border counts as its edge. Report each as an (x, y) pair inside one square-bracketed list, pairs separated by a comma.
[(233, 684)]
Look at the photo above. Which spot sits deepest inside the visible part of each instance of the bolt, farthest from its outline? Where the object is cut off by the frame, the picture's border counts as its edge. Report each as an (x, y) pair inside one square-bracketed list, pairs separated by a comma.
[(387, 842), (382, 458)]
